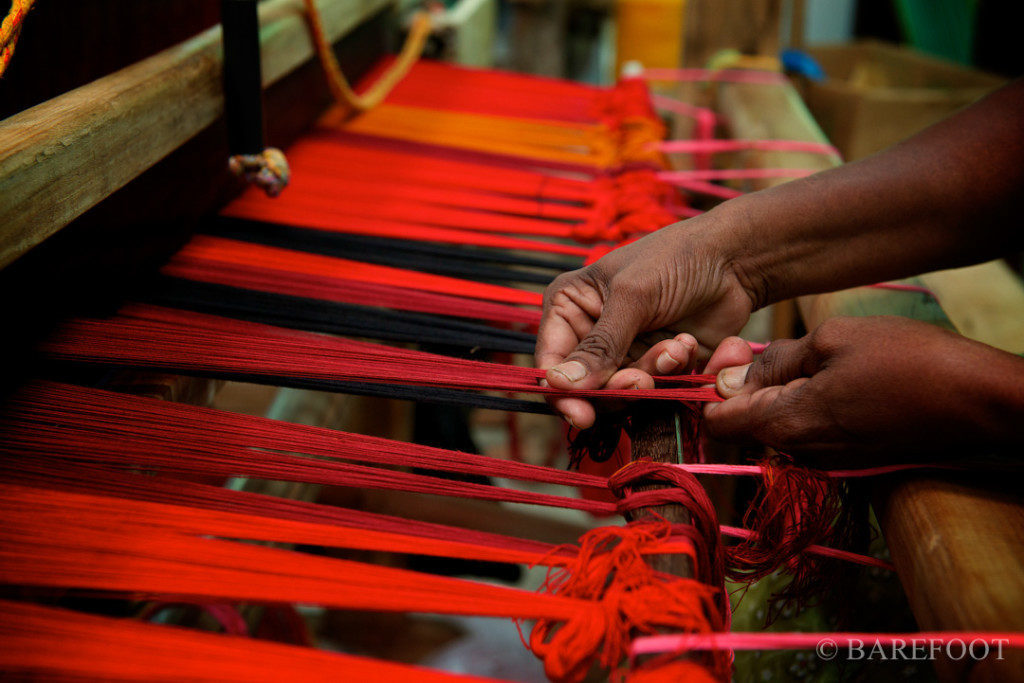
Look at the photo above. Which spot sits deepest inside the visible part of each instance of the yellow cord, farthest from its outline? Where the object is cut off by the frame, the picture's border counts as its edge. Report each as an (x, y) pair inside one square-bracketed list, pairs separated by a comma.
[(340, 88), (10, 29)]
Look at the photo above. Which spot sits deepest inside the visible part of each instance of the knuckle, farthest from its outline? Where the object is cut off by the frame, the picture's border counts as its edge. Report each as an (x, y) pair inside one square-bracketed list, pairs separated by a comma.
[(829, 336), (557, 288), (631, 288), (599, 344), (595, 273), (764, 370)]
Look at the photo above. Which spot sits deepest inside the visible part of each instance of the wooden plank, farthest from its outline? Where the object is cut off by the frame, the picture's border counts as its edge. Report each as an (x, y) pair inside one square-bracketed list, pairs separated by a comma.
[(957, 541), (60, 158), (984, 302)]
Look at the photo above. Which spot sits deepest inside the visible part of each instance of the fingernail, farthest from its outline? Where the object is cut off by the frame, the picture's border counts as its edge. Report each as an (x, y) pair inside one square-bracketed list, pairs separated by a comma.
[(544, 383), (666, 363), (570, 422), (573, 371), (734, 378)]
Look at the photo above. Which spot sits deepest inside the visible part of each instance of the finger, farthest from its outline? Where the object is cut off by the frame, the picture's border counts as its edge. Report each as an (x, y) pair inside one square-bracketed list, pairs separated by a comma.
[(625, 379), (731, 352), (771, 415), (556, 336), (669, 357), (783, 361), (565, 321), (553, 345), (576, 411), (571, 305), (582, 414), (600, 353), (630, 378)]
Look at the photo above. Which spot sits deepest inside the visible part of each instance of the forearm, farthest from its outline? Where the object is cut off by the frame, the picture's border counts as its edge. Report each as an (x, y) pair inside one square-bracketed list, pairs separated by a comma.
[(943, 198)]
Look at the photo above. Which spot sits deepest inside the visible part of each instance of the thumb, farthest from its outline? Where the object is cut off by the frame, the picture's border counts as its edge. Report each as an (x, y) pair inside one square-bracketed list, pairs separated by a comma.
[(600, 353), (783, 361)]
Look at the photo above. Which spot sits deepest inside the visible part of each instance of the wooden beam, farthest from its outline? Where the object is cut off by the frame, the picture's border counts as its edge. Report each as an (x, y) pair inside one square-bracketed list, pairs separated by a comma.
[(62, 157), (957, 541), (653, 436), (750, 26)]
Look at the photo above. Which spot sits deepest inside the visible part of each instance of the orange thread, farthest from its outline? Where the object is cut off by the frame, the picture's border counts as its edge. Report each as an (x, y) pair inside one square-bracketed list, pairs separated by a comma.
[(336, 81), (10, 29)]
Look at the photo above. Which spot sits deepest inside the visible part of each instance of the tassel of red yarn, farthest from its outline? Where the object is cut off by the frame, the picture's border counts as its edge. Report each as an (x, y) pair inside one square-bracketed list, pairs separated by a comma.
[(685, 491), (794, 508), (675, 671), (610, 571)]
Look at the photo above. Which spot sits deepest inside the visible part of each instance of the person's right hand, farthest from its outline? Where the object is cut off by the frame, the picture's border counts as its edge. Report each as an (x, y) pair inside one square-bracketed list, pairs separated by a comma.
[(678, 277)]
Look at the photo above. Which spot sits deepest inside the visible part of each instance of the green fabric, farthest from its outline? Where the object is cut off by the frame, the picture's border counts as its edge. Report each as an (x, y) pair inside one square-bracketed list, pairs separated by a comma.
[(944, 28)]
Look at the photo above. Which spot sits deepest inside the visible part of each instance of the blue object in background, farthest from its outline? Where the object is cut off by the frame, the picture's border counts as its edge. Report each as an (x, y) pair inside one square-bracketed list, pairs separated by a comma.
[(799, 62)]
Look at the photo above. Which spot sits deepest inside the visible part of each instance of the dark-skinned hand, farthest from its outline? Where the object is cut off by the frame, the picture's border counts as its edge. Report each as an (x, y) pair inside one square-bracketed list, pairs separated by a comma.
[(864, 385), (675, 277)]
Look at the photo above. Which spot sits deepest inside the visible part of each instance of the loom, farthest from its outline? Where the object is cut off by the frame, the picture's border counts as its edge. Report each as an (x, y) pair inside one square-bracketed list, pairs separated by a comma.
[(421, 220)]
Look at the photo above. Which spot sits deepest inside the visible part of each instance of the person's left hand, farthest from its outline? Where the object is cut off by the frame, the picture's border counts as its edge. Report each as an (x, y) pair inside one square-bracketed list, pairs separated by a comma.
[(864, 385)]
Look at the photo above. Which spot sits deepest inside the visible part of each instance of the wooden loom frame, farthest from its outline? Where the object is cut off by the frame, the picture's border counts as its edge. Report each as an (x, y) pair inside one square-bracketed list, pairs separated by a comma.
[(62, 157)]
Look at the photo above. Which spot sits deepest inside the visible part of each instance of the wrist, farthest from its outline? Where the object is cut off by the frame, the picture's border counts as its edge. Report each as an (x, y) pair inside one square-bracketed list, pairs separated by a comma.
[(992, 395), (731, 238)]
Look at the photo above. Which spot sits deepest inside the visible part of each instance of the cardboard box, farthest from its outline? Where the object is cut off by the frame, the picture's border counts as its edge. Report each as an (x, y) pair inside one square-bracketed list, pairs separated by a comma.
[(878, 94)]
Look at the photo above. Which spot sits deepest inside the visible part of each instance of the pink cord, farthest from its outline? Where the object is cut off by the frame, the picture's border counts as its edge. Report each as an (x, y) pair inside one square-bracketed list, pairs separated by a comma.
[(704, 187), (713, 146), (755, 470), (809, 641), (734, 174), (714, 75), (904, 288)]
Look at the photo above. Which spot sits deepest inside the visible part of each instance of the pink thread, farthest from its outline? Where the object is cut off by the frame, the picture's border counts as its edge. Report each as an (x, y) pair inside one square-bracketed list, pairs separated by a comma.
[(757, 470), (899, 287), (807, 641), (703, 187), (704, 118), (713, 146), (734, 174), (714, 75)]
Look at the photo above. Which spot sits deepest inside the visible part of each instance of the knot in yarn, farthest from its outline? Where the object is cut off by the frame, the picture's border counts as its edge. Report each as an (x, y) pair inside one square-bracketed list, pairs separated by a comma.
[(267, 170)]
